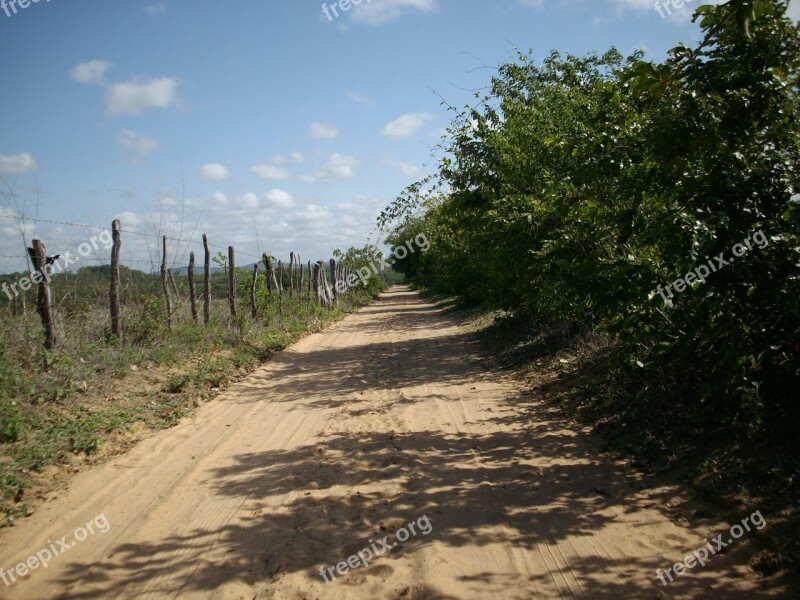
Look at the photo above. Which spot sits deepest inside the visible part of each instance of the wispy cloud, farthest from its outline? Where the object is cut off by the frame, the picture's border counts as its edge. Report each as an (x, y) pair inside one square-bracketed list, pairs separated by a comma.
[(248, 200), (381, 12), (92, 72), (336, 168), (15, 164), (360, 99), (154, 10), (406, 169), (278, 167), (279, 198), (127, 98), (322, 131), (134, 97), (213, 172), (405, 125), (138, 142)]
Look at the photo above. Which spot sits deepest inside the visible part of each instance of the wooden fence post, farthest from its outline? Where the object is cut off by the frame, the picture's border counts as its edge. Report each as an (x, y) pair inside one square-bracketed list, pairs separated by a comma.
[(300, 277), (310, 278), (114, 300), (280, 287), (291, 273), (253, 303), (207, 282), (41, 277), (165, 282), (192, 292), (323, 293), (334, 281), (314, 281), (268, 272), (232, 281)]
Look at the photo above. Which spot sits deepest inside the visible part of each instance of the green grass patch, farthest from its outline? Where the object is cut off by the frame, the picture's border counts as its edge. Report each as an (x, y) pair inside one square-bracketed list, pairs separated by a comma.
[(67, 407)]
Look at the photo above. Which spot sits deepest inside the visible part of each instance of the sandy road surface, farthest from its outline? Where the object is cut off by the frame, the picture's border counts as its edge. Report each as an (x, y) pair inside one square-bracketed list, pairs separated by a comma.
[(388, 417)]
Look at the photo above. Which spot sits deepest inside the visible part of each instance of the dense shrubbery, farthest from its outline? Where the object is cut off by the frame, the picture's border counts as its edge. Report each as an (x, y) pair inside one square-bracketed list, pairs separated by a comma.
[(581, 185)]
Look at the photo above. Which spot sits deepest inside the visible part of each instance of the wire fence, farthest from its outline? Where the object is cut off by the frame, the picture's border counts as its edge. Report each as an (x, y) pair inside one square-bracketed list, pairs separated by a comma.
[(51, 276)]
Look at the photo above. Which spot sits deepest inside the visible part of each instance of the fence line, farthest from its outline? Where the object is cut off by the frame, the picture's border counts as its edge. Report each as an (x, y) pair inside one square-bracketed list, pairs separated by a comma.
[(322, 288)]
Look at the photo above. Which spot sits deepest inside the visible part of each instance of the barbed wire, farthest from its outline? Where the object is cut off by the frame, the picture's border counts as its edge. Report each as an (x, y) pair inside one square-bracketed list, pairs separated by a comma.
[(128, 231), (80, 225)]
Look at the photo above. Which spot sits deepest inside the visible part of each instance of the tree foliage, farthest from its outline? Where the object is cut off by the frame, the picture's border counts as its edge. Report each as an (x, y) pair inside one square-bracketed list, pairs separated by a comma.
[(580, 185)]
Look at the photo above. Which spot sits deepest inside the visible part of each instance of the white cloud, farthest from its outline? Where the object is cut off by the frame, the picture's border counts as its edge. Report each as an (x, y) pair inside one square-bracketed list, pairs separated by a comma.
[(129, 220), (92, 72), (15, 164), (135, 97), (268, 171), (313, 213), (248, 200), (336, 168), (360, 99), (406, 125), (406, 169), (219, 199), (153, 10), (275, 168), (386, 11), (278, 198), (138, 142), (212, 172), (322, 131)]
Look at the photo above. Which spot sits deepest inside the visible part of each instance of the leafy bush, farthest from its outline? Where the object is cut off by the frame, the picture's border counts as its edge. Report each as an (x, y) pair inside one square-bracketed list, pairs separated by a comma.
[(11, 421), (148, 324), (580, 185)]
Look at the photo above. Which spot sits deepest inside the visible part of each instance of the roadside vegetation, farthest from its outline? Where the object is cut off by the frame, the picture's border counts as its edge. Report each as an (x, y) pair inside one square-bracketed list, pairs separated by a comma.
[(579, 199), (93, 397)]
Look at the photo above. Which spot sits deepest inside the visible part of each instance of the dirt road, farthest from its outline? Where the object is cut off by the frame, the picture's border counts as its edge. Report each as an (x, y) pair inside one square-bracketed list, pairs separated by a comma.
[(389, 418)]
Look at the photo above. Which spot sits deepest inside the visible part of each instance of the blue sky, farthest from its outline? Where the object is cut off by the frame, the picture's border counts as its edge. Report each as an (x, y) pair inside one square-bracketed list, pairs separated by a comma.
[(262, 123)]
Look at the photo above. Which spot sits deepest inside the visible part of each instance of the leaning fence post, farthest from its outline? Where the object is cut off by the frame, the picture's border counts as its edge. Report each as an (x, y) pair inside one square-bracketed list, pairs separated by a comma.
[(314, 281), (206, 282), (253, 303), (165, 282), (41, 277), (280, 287), (334, 282), (232, 281), (300, 276), (268, 272), (114, 301), (291, 273), (192, 293)]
